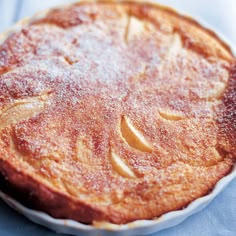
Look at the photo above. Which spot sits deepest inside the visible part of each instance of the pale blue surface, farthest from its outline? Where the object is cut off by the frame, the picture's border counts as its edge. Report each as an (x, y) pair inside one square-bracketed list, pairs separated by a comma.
[(218, 219)]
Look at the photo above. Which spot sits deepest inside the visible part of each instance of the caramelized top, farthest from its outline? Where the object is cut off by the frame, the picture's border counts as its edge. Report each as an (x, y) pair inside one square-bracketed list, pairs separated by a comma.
[(117, 104)]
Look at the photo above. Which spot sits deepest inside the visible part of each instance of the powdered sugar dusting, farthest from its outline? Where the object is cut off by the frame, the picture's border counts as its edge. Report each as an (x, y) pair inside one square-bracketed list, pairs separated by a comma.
[(85, 76)]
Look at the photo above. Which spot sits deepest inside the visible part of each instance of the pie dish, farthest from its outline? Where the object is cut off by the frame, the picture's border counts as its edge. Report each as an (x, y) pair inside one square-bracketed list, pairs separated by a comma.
[(114, 112), (139, 227)]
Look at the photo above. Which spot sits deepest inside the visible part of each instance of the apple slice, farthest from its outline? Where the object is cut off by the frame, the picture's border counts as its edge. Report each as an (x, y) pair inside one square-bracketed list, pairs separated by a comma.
[(167, 115), (136, 27), (133, 137), (120, 166), (21, 110)]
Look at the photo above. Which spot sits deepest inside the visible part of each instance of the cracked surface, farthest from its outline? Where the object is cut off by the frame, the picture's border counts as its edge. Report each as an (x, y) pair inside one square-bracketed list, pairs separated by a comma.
[(115, 112)]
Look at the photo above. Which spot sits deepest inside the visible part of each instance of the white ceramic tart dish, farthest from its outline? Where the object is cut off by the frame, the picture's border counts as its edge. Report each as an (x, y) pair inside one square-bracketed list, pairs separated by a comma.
[(117, 118), (139, 227)]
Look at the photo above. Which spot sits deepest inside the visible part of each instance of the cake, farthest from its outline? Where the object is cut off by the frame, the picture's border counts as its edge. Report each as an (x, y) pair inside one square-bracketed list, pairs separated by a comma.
[(114, 111)]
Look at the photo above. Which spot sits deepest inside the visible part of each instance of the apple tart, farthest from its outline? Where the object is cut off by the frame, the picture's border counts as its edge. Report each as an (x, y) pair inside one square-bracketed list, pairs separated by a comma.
[(114, 111)]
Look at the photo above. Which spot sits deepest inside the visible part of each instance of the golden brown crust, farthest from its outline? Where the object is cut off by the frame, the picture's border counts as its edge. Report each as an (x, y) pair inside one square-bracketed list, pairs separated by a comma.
[(115, 111)]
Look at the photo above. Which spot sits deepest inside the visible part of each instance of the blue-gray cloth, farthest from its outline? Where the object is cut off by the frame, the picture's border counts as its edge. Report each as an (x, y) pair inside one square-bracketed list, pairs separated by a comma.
[(218, 219)]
